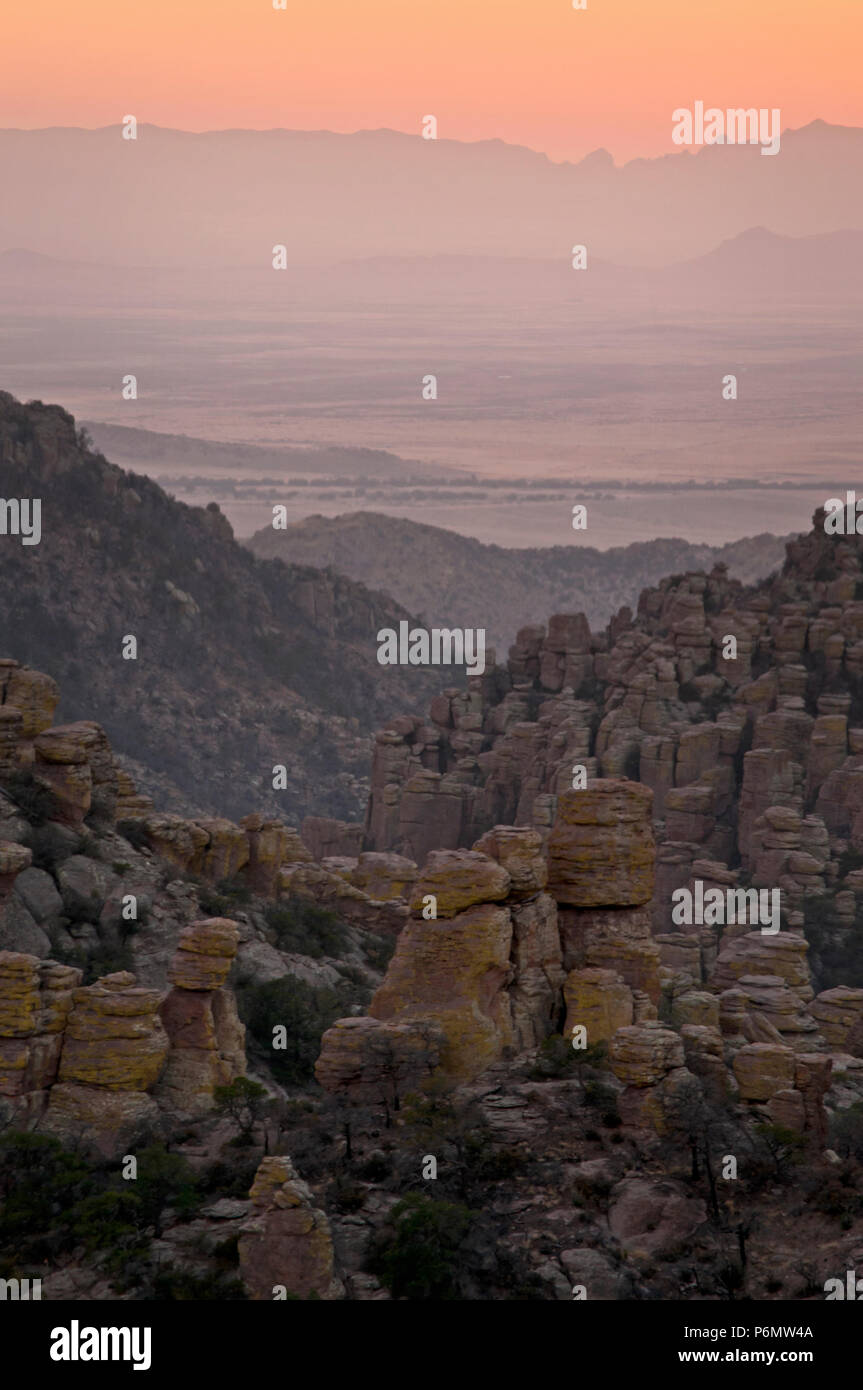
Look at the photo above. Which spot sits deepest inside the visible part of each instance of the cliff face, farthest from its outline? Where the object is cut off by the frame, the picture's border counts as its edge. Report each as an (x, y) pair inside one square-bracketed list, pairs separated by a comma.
[(242, 665)]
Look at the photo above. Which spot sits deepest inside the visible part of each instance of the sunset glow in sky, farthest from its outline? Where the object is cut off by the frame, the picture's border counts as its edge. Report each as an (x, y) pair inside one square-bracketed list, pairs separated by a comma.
[(531, 72)]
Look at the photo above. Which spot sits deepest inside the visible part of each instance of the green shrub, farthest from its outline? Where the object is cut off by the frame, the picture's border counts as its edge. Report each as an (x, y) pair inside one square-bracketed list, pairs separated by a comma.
[(305, 1012), (32, 800), (224, 898), (301, 926), (181, 1286), (40, 1186), (378, 951), (419, 1256)]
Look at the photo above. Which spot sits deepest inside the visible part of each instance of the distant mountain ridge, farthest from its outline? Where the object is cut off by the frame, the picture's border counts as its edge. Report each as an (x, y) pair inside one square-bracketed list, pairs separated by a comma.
[(329, 196), (455, 580), (143, 447)]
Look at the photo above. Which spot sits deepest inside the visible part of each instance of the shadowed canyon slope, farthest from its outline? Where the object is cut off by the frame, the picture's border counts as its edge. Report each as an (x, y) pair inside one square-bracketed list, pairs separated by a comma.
[(242, 665)]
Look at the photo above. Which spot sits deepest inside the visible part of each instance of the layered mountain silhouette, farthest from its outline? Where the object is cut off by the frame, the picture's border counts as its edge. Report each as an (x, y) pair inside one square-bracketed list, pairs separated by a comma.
[(160, 199)]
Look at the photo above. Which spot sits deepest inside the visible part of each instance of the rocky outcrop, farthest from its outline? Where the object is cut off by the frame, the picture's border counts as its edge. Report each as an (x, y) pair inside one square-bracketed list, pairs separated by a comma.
[(478, 963), (377, 1062), (599, 1001)]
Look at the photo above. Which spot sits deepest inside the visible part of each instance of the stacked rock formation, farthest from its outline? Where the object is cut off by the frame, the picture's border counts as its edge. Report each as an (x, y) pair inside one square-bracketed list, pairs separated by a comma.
[(477, 970), (286, 1246), (114, 1048), (104, 1062), (532, 932), (206, 1037)]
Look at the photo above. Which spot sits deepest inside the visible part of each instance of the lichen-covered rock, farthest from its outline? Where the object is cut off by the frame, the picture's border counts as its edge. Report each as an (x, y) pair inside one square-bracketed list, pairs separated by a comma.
[(329, 887), (323, 836), (180, 842), (758, 953), (665, 1107), (638, 962), (582, 928), (286, 1247), (813, 1078), (762, 1069), (375, 1062), (14, 860), (520, 850), (205, 953), (35, 999), (113, 1036), (104, 1119), (695, 1007), (207, 1049), (269, 841), (839, 1015), (705, 1058), (226, 851), (459, 879), (32, 693), (535, 992), (641, 1055), (61, 768), (598, 1000), (384, 876), (453, 973), (601, 849), (19, 994)]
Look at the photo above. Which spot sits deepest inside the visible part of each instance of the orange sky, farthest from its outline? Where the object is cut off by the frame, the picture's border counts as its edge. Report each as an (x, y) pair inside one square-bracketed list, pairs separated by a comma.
[(533, 72)]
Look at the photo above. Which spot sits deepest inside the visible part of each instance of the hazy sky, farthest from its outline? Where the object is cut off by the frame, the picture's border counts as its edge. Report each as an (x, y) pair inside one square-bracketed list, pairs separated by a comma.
[(532, 72)]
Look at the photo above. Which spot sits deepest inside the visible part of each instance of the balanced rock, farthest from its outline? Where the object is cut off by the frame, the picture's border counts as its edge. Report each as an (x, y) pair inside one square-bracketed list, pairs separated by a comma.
[(207, 1049)]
